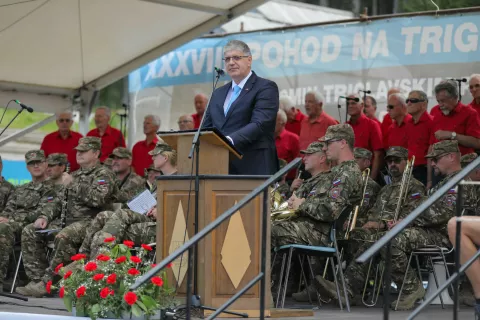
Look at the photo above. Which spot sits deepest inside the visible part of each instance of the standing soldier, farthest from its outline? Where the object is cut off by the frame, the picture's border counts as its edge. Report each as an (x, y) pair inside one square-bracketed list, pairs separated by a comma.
[(129, 183), (6, 189)]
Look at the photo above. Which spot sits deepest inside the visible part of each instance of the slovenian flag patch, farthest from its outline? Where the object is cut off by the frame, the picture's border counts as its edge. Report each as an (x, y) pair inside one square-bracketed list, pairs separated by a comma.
[(452, 191), (415, 195), (50, 199), (337, 182), (101, 182)]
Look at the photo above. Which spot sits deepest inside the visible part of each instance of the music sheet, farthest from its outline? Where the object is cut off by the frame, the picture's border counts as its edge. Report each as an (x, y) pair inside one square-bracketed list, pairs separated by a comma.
[(143, 202)]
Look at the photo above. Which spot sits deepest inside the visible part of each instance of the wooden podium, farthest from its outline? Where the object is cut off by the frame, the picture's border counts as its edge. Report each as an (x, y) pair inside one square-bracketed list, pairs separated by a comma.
[(229, 257)]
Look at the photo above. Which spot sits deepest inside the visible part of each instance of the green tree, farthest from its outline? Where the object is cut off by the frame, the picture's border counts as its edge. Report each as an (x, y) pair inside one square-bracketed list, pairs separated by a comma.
[(427, 5)]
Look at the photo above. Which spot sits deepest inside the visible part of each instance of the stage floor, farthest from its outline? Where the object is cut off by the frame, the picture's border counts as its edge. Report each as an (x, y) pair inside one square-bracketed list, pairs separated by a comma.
[(55, 306)]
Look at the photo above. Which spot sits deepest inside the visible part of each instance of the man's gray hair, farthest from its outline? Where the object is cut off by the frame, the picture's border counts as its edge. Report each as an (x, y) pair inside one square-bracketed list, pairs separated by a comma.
[(286, 103), (107, 110), (238, 46), (421, 94), (318, 96), (450, 86), (69, 112), (475, 75), (400, 98), (282, 115), (155, 119)]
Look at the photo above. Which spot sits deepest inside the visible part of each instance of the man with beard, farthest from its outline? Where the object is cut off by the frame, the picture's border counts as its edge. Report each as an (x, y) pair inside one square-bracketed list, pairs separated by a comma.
[(129, 183)]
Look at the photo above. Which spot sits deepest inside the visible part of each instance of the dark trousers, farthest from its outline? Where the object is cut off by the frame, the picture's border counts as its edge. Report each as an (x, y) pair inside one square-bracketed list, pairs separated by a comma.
[(420, 173)]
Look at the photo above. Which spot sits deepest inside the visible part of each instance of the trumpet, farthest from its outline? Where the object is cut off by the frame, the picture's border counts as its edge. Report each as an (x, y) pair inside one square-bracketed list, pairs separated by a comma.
[(352, 218)]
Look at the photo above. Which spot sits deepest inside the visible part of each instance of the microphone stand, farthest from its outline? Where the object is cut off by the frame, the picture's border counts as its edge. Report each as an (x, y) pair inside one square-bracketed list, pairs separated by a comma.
[(123, 120), (18, 113), (194, 299)]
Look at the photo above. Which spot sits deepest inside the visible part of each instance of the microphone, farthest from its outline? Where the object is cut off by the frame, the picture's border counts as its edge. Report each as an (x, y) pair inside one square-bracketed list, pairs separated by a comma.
[(219, 71), (365, 91), (29, 109), (350, 99), (460, 80)]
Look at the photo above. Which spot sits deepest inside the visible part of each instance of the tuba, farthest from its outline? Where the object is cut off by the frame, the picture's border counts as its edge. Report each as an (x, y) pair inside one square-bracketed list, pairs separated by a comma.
[(280, 211)]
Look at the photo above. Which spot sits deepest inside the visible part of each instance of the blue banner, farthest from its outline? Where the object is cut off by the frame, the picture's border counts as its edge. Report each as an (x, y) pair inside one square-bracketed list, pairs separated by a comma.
[(16, 172), (420, 40)]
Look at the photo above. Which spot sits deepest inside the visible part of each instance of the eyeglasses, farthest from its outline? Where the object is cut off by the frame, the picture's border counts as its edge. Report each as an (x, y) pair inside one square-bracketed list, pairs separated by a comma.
[(234, 58), (414, 100), (390, 107), (64, 120), (54, 165), (436, 159), (35, 163), (332, 141), (393, 160)]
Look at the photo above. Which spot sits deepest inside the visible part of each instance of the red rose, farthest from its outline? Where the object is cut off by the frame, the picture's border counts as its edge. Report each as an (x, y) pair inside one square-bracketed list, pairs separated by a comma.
[(153, 265), (112, 278), (90, 266), (130, 298), (103, 257), (49, 286), (81, 291), (104, 292), (133, 272), (146, 247), (98, 277), (157, 281), (107, 240), (135, 259), (61, 293), (169, 265), (58, 268), (68, 274), (120, 259), (129, 243), (78, 256)]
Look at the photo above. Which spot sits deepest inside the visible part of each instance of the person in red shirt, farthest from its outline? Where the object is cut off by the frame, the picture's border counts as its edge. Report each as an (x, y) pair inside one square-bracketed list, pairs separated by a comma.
[(454, 120), (287, 143), (419, 129), (185, 122), (387, 121), (397, 133), (367, 133), (474, 87), (294, 115), (141, 160), (370, 108), (111, 137), (63, 140), (200, 101), (315, 125)]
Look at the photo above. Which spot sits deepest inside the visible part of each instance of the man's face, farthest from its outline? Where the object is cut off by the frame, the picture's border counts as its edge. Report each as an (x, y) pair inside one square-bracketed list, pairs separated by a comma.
[(369, 108), (185, 123), (332, 149), (64, 122), (446, 103), (313, 160), (279, 125), (415, 104), (149, 126), (474, 86), (290, 113), (395, 108), (101, 118), (396, 166), (363, 163), (312, 106), (37, 168), (237, 64), (200, 103), (354, 108), (441, 164), (152, 175), (55, 171), (120, 165), (159, 161), (86, 157)]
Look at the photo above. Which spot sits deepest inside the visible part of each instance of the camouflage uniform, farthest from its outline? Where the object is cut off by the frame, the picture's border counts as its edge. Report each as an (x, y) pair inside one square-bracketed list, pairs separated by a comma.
[(472, 200), (132, 184), (26, 203)]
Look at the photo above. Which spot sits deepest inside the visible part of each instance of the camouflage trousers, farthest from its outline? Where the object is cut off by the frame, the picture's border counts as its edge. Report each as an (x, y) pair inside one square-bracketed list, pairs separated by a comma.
[(8, 232), (34, 247), (121, 224)]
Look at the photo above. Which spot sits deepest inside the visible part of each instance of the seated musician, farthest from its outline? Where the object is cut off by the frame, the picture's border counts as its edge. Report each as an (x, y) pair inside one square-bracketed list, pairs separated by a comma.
[(282, 188), (380, 218)]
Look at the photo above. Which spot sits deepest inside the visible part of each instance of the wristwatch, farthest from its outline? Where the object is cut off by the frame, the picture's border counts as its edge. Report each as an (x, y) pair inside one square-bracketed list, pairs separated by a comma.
[(454, 135)]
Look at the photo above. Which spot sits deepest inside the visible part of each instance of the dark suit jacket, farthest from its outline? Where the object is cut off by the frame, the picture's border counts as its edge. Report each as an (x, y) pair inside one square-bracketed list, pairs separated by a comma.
[(250, 122)]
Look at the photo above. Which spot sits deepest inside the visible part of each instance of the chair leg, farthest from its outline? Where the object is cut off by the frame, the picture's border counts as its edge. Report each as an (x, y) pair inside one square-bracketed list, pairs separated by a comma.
[(273, 260), (446, 268), (404, 279), (302, 259), (303, 277), (436, 280), (16, 272), (347, 300), (336, 284), (284, 257), (287, 274)]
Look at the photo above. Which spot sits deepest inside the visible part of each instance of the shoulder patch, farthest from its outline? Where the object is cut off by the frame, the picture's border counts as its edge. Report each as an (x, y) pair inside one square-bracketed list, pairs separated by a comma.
[(101, 182), (416, 195), (452, 191), (334, 193), (50, 199), (337, 182), (449, 200)]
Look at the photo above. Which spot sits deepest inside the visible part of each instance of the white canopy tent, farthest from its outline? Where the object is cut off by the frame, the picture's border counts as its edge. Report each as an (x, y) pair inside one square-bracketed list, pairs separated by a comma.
[(59, 53)]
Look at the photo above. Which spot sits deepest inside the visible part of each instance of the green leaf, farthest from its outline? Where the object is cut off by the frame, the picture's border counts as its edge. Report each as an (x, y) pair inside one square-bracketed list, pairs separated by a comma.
[(136, 310), (149, 302), (95, 308), (141, 305), (67, 301)]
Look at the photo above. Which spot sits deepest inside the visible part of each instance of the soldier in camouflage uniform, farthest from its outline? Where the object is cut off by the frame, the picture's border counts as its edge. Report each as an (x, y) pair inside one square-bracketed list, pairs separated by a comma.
[(151, 174), (380, 218), (108, 163), (6, 189), (25, 204), (282, 188), (124, 223), (129, 183), (92, 190)]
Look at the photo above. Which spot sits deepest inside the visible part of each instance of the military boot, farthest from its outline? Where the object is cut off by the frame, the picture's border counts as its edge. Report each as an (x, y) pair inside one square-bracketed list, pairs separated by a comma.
[(25, 291), (407, 301), (303, 296), (38, 290), (329, 289)]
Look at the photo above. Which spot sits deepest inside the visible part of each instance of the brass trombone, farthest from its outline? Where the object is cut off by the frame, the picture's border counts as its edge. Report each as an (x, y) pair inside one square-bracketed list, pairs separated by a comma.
[(377, 282)]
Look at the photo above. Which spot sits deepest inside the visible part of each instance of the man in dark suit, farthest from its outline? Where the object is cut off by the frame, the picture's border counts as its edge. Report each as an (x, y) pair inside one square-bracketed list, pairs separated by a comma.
[(245, 110)]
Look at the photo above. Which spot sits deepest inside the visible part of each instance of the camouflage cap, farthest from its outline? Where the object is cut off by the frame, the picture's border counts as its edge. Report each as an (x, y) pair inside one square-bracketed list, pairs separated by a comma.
[(399, 152), (34, 155), (160, 147), (108, 162), (152, 168), (339, 132), (443, 147), (362, 153), (89, 143), (121, 152), (57, 158), (466, 159), (313, 147)]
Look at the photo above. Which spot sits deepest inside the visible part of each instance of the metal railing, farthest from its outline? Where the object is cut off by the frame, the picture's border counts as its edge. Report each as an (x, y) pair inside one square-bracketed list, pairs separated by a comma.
[(189, 245), (390, 235)]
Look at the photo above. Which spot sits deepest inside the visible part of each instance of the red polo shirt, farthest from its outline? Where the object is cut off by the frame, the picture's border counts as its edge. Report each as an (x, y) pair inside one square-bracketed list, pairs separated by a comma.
[(54, 143), (386, 123), (418, 135), (140, 158), (313, 131), (288, 148), (377, 121), (296, 124), (368, 134), (196, 120), (475, 106), (462, 120), (397, 135), (111, 139)]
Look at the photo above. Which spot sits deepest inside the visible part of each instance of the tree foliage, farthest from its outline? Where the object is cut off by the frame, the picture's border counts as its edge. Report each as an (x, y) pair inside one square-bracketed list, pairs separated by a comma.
[(427, 5)]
